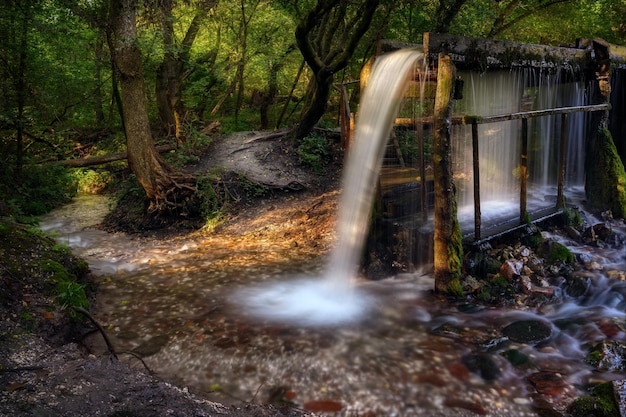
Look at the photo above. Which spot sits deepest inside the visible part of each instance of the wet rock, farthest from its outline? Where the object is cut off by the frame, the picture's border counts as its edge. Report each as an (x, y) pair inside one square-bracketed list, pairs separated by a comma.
[(577, 286), (528, 331), (516, 358), (530, 288), (616, 275), (469, 308), (323, 406), (494, 344), (608, 355), (482, 364), (572, 232), (548, 383), (619, 391), (603, 232), (471, 285), (593, 266), (511, 269), (554, 252), (536, 265), (151, 346), (589, 236)]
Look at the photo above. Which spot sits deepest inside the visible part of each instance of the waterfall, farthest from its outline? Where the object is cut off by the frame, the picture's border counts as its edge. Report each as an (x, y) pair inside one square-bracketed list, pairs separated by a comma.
[(380, 102), (509, 91), (333, 299)]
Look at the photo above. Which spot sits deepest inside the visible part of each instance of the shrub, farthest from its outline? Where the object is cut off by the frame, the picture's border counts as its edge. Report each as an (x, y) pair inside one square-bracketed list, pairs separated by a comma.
[(313, 152)]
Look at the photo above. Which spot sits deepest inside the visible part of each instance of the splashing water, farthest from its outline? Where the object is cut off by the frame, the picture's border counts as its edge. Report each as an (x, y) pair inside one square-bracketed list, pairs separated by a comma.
[(334, 299)]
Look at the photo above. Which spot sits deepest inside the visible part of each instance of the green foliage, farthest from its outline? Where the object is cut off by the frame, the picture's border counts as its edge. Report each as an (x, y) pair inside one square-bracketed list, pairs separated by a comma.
[(70, 295), (39, 190), (211, 199), (409, 146), (92, 181), (191, 150), (606, 183), (313, 152)]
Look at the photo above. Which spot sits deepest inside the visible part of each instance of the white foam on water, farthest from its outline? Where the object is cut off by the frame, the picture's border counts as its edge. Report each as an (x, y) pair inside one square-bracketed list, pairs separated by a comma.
[(305, 302)]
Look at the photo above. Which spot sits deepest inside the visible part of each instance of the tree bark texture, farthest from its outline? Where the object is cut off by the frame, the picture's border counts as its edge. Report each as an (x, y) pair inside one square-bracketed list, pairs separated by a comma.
[(448, 247), (152, 172)]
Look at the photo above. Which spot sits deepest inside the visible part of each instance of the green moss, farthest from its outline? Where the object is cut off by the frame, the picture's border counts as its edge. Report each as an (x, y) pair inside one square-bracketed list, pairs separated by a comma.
[(594, 357), (606, 178), (455, 288), (573, 217), (603, 394), (55, 269), (559, 252), (583, 407)]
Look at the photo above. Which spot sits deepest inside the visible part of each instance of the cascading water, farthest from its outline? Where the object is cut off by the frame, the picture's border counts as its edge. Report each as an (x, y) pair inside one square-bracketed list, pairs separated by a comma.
[(502, 92), (333, 299)]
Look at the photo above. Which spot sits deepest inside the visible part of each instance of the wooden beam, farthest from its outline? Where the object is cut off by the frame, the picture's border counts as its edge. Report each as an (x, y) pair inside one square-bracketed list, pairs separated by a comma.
[(448, 247), (484, 54)]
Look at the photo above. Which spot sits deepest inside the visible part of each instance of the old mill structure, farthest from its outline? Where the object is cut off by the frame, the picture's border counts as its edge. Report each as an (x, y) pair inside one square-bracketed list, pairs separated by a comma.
[(491, 138)]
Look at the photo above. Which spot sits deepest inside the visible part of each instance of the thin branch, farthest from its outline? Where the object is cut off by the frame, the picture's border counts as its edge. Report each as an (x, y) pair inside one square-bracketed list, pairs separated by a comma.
[(100, 329)]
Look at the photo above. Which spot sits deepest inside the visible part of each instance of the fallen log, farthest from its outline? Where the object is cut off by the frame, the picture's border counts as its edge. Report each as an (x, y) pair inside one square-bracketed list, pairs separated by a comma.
[(103, 159)]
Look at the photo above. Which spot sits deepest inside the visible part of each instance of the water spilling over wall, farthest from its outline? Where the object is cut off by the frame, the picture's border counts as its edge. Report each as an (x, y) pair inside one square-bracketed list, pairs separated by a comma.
[(511, 91)]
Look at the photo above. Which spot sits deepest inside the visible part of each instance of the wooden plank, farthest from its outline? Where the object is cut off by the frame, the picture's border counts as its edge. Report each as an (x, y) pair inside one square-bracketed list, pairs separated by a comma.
[(483, 54)]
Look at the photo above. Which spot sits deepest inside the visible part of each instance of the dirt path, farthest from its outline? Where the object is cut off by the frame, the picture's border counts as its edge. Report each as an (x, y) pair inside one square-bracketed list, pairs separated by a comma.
[(273, 162)]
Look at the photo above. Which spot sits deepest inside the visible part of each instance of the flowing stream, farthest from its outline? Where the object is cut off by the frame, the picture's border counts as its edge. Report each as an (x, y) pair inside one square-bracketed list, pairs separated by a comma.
[(168, 301), (224, 315)]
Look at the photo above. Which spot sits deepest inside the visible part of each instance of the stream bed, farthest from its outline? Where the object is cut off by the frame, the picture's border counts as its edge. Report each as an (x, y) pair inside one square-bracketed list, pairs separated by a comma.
[(411, 354)]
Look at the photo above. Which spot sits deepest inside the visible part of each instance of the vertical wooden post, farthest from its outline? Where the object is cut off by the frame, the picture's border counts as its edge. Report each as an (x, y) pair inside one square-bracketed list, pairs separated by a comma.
[(523, 171), (422, 158), (560, 199), (476, 168), (448, 245)]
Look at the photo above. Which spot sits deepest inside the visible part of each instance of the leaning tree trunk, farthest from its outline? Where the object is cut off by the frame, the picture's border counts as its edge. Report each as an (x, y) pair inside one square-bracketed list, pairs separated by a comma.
[(327, 37), (152, 172), (448, 245)]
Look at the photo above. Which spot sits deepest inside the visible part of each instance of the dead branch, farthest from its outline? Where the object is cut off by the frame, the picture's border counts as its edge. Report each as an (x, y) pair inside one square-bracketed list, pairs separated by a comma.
[(100, 329)]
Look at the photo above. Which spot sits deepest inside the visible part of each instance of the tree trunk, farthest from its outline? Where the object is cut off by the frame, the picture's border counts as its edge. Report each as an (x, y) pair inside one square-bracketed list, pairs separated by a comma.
[(448, 245), (98, 99), (317, 106), (327, 37), (171, 72), (20, 87), (152, 172)]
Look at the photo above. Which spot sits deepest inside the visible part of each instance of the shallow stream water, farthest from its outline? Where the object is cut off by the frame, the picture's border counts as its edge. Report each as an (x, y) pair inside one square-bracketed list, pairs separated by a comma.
[(171, 302)]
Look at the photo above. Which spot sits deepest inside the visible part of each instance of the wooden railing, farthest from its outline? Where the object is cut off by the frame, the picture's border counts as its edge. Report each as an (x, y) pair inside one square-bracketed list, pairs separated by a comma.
[(474, 121)]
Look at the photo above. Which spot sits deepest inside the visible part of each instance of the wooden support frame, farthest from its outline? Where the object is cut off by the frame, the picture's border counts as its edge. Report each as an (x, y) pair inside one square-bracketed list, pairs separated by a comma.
[(524, 116)]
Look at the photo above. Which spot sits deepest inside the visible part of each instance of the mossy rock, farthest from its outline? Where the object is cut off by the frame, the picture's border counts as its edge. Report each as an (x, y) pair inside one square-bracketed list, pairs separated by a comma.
[(601, 403), (555, 252), (608, 355)]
